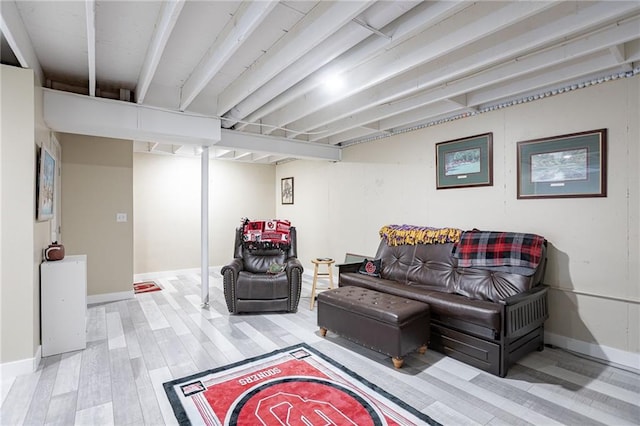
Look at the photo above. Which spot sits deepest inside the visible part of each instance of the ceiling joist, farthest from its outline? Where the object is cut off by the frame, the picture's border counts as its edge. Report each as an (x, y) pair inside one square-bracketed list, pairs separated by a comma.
[(90, 10), (244, 23), (18, 39), (167, 20)]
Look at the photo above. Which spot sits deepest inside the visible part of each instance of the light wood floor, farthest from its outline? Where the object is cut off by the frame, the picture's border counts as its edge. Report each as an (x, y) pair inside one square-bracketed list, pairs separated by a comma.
[(135, 345)]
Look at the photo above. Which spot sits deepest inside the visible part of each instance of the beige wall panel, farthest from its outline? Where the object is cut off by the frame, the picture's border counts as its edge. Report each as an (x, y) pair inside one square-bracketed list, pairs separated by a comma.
[(42, 230), (634, 327), (340, 207), (573, 315), (19, 328), (167, 206), (97, 183)]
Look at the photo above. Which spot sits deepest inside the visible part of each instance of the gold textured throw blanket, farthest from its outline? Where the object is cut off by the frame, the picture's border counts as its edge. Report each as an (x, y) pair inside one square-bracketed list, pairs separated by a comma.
[(396, 235)]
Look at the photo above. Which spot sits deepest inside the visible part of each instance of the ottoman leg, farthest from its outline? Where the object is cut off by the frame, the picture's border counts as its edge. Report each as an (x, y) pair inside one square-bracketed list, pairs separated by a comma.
[(422, 349), (397, 362), (323, 331)]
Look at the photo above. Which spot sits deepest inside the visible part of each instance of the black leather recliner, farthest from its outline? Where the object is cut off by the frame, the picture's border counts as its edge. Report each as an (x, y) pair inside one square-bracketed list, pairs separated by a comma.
[(249, 288)]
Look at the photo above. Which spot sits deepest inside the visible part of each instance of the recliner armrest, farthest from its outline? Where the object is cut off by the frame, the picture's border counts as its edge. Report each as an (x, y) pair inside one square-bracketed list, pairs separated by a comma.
[(234, 267), (292, 263)]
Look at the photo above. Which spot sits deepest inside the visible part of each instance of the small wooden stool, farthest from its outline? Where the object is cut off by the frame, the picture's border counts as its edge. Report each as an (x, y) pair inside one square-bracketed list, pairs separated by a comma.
[(317, 262)]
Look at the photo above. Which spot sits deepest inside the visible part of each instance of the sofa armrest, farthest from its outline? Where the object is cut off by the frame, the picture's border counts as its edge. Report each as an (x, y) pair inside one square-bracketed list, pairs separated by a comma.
[(525, 312), (348, 267)]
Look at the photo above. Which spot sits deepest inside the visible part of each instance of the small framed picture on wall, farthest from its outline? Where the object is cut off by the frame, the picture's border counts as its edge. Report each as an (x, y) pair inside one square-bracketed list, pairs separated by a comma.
[(45, 185), (465, 162), (286, 190), (565, 166)]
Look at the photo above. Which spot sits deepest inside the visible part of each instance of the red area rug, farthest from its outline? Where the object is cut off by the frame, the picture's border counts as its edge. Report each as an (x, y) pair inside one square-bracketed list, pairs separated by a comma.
[(145, 287), (292, 386)]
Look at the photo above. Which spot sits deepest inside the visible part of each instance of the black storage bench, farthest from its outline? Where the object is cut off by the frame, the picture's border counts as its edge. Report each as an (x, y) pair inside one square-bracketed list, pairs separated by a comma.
[(383, 322)]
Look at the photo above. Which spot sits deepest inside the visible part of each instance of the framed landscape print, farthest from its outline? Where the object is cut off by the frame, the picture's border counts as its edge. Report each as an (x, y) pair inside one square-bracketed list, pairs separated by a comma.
[(465, 162), (286, 190), (566, 166), (46, 185)]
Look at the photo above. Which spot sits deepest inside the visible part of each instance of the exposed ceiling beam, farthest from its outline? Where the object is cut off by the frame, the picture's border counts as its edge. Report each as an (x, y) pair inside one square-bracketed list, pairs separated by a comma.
[(372, 29), (278, 146), (90, 8), (521, 82), (339, 42), (168, 18), (224, 153), (79, 114), (346, 38), (261, 157), (580, 68), (356, 132), (422, 16), (244, 155), (520, 68), (247, 18), (320, 23), (18, 39), (380, 112), (618, 52), (473, 23), (390, 121), (467, 62)]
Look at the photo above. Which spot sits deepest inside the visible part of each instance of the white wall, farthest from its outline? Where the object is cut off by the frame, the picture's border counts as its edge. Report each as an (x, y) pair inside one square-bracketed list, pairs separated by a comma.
[(167, 209), (19, 307), (593, 258)]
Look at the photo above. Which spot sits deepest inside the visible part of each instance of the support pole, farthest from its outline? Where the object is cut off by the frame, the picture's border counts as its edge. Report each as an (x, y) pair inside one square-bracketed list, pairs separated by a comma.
[(204, 227)]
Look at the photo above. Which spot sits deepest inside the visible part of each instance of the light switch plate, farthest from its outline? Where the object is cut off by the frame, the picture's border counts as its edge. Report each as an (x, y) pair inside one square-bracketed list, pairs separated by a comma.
[(121, 217)]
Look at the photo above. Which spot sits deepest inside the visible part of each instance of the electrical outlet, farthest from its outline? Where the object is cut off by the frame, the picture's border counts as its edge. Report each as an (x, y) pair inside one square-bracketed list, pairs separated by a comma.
[(121, 217)]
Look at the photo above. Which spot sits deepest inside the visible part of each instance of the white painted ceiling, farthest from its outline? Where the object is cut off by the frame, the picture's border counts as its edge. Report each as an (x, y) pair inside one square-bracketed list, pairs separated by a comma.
[(261, 65)]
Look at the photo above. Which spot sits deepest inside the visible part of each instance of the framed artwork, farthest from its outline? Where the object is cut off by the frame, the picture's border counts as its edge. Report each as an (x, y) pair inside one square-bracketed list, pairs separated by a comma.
[(566, 166), (465, 162), (46, 185), (286, 190)]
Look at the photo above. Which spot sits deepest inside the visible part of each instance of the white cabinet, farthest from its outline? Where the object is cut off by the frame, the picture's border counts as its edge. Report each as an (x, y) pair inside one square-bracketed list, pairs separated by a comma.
[(63, 304)]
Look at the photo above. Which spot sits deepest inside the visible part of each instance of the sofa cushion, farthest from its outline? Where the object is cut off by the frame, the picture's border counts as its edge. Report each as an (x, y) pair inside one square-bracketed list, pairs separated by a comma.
[(433, 268), (480, 284), (362, 280), (395, 261), (463, 310), (478, 312), (262, 287), (258, 261)]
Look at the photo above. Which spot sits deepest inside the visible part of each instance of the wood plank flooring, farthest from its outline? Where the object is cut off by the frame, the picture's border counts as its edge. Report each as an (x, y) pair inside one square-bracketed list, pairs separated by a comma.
[(135, 345)]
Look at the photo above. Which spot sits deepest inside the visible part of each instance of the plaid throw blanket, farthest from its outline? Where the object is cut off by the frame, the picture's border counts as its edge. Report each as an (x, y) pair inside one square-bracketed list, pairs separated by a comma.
[(494, 249), (266, 234), (396, 235)]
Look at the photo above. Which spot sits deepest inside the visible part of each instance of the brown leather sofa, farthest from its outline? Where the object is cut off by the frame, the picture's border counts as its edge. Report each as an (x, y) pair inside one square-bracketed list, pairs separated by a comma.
[(485, 318), (248, 287)]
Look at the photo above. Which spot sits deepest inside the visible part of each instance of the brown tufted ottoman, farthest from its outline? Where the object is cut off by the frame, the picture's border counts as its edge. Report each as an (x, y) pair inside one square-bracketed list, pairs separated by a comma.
[(386, 323)]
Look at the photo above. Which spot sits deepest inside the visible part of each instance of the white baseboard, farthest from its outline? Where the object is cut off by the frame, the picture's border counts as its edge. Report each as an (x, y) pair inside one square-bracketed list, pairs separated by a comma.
[(13, 369), (109, 297), (605, 353), (166, 274)]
